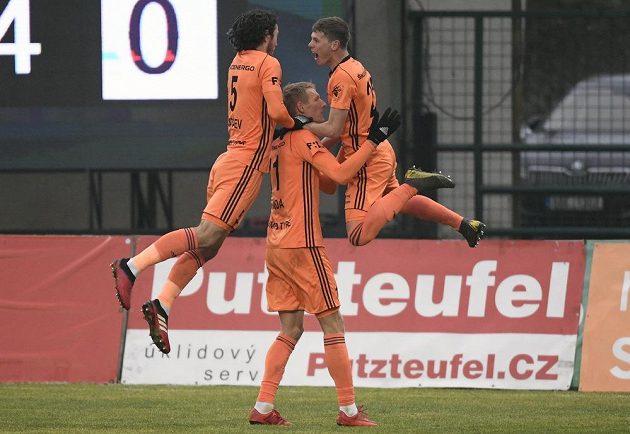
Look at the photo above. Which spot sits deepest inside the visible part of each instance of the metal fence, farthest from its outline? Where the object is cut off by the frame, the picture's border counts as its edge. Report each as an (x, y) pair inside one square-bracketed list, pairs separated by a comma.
[(530, 112)]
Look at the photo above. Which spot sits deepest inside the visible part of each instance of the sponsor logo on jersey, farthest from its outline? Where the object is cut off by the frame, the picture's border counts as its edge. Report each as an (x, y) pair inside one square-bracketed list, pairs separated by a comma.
[(337, 90), (243, 67)]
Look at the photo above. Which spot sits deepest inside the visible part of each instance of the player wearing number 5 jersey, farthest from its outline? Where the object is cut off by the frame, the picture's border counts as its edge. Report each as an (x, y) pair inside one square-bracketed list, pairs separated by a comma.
[(374, 196), (300, 276), (254, 106)]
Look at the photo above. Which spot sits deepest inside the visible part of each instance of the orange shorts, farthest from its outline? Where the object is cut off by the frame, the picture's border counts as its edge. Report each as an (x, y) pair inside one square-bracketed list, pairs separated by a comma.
[(232, 189), (300, 279), (374, 179)]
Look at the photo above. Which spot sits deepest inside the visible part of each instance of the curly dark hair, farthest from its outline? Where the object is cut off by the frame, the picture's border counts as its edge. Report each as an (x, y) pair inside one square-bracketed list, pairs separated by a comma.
[(250, 28)]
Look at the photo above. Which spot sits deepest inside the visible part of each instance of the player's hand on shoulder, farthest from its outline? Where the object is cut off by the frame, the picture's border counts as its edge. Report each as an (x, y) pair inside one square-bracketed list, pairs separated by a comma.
[(300, 121), (279, 133), (384, 126)]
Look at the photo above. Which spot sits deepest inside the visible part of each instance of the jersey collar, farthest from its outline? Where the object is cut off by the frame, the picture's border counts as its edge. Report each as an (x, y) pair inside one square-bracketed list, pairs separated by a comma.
[(342, 60)]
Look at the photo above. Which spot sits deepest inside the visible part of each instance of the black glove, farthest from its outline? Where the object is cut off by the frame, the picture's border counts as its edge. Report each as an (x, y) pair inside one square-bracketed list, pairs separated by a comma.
[(300, 121), (384, 126), (279, 133)]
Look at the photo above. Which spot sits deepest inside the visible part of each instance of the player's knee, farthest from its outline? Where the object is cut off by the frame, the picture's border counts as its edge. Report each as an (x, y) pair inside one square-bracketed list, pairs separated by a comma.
[(208, 253), (331, 321), (210, 237), (295, 332), (357, 240)]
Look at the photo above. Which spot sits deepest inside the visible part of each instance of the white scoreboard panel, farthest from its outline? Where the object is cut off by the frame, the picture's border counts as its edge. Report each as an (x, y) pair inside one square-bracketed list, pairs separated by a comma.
[(159, 49)]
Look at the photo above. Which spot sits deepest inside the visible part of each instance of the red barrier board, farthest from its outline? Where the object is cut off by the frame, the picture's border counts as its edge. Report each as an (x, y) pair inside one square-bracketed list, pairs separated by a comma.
[(394, 285), (435, 313), (59, 319)]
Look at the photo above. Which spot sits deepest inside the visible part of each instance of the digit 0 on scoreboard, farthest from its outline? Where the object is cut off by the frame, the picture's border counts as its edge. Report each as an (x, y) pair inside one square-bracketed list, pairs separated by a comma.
[(171, 31), (159, 49)]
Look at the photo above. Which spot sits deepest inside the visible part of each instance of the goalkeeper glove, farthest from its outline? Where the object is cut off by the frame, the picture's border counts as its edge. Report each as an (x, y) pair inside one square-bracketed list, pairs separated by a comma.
[(384, 126)]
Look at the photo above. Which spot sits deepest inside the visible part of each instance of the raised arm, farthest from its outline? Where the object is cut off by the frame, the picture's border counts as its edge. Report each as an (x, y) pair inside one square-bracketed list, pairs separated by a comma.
[(343, 172), (333, 127), (326, 184), (277, 110), (271, 77)]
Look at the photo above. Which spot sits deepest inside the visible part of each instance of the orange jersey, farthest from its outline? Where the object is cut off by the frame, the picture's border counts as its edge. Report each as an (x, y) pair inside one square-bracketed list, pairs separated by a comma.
[(350, 88), (296, 163), (254, 106), (294, 219)]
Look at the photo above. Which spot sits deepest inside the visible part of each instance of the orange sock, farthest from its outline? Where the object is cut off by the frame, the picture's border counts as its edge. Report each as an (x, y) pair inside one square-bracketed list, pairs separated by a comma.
[(382, 211), (277, 358), (338, 362), (182, 272), (167, 246), (425, 208)]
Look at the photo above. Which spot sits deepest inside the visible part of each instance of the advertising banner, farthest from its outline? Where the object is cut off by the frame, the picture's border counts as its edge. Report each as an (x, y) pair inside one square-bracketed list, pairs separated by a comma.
[(417, 313), (59, 319), (606, 347)]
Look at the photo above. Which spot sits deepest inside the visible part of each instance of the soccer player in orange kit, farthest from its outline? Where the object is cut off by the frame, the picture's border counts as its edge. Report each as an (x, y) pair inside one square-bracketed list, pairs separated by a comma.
[(254, 106), (374, 196), (300, 276)]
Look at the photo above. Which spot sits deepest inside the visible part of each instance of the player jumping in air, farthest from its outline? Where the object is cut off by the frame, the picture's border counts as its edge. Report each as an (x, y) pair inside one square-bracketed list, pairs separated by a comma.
[(254, 106), (374, 196)]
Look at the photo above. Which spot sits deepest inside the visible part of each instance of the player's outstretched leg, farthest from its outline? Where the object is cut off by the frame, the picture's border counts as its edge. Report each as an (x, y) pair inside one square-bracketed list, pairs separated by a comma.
[(472, 230), (157, 318), (426, 181), (123, 281), (125, 270)]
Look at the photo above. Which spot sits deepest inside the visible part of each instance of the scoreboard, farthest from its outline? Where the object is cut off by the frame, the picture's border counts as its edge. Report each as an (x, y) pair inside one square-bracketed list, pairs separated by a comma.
[(129, 83), (82, 52)]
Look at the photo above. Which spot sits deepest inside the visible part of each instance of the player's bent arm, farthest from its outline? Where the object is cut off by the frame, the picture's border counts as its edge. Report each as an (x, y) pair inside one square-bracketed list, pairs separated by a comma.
[(277, 110), (341, 155), (327, 185), (333, 127), (329, 142), (342, 173)]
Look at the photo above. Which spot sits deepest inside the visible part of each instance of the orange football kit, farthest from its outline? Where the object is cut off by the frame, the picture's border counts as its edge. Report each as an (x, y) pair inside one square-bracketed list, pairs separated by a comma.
[(300, 275), (350, 88), (254, 106), (375, 188)]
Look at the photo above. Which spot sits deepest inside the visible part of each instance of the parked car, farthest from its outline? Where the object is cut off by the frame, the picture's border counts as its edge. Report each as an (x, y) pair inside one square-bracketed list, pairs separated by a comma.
[(594, 112)]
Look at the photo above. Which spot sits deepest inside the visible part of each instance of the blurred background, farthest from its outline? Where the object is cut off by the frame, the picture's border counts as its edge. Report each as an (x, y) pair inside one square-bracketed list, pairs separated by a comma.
[(525, 103)]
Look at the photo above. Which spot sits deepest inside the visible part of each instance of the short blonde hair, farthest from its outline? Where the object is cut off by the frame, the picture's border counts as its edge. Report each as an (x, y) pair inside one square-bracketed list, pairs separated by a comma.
[(294, 92)]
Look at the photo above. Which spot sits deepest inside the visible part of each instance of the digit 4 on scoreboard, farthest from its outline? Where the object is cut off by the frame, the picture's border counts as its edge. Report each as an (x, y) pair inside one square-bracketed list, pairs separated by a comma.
[(18, 13)]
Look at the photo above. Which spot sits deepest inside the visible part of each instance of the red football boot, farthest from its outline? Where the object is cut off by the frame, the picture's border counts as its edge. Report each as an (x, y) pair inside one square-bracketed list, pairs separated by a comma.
[(271, 418), (157, 319), (123, 281), (359, 419)]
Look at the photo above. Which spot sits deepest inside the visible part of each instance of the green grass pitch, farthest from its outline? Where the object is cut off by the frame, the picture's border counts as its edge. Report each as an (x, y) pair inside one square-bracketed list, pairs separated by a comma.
[(69, 408)]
